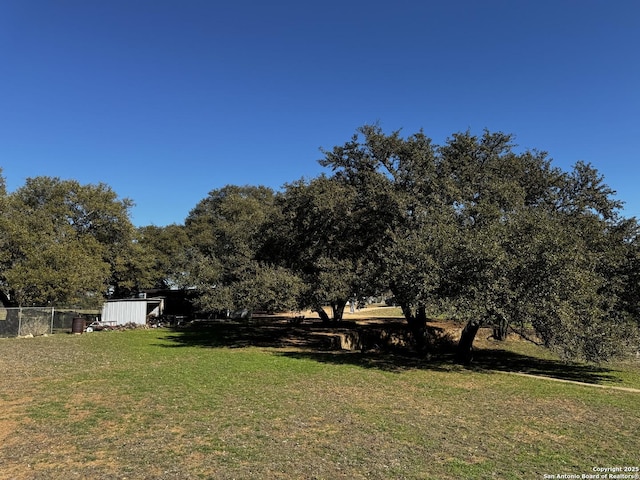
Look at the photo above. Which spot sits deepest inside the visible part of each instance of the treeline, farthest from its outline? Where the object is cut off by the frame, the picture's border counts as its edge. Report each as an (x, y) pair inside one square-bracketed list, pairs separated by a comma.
[(471, 229)]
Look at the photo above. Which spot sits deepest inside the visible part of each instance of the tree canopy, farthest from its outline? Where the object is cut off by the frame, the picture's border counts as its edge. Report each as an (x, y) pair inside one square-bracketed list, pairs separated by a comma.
[(63, 243), (473, 229), (225, 230), (496, 237)]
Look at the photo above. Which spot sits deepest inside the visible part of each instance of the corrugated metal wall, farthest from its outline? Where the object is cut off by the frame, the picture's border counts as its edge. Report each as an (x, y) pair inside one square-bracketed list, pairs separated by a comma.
[(120, 313)]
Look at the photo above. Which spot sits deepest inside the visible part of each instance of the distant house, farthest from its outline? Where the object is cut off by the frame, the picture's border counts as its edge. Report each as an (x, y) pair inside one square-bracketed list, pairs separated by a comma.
[(131, 310)]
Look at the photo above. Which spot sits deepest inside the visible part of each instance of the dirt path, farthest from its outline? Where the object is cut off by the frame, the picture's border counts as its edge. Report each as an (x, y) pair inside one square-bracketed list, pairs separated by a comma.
[(542, 377)]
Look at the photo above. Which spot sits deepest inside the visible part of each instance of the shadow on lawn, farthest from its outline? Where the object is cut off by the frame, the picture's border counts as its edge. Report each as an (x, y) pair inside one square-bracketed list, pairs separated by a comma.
[(506, 361), (485, 361), (238, 334), (317, 342)]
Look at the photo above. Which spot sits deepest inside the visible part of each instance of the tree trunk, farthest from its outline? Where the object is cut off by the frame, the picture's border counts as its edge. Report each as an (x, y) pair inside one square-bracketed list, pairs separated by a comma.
[(418, 319), (322, 314), (501, 328), (337, 311), (465, 345), (337, 308), (5, 301), (417, 324)]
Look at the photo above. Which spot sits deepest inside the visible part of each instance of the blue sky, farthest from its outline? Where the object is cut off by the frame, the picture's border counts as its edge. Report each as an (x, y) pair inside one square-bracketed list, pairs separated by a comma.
[(166, 100)]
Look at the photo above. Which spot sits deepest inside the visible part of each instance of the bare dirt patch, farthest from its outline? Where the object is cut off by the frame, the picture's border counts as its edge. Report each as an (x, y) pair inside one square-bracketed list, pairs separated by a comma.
[(12, 417)]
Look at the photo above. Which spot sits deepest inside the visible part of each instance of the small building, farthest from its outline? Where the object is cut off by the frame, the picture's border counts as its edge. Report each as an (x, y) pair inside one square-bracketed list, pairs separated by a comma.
[(131, 310), (177, 302)]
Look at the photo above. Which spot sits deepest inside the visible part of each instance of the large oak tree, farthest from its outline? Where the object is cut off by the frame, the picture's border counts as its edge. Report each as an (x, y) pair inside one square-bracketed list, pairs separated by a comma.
[(64, 243), (497, 237), (226, 235)]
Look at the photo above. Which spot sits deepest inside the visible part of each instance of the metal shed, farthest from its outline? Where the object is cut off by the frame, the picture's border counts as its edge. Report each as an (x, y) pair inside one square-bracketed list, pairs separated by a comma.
[(131, 310)]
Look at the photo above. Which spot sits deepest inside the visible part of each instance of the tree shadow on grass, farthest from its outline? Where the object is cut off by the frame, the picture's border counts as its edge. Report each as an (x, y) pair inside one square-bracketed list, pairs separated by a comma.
[(276, 333), (388, 362), (500, 360), (486, 361), (321, 343)]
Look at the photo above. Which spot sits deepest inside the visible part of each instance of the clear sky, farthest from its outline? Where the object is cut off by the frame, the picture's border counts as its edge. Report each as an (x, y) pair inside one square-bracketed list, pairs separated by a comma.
[(166, 100)]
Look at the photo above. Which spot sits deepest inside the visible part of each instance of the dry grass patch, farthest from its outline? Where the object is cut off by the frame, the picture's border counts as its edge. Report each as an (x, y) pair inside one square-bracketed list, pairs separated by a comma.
[(226, 403)]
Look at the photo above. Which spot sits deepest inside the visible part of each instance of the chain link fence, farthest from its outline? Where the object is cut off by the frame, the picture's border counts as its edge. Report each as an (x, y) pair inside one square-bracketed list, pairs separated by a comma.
[(23, 321)]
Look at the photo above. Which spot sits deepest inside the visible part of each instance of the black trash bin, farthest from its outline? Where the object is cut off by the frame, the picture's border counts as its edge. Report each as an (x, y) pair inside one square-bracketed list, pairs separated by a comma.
[(77, 325)]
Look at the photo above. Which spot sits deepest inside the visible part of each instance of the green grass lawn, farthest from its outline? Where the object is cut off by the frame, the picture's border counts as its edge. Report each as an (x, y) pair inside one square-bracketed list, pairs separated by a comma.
[(158, 404)]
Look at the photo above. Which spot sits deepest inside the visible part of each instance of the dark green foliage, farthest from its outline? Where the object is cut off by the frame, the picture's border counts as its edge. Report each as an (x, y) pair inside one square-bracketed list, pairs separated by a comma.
[(166, 251), (473, 229), (63, 243), (497, 238), (226, 235), (320, 232)]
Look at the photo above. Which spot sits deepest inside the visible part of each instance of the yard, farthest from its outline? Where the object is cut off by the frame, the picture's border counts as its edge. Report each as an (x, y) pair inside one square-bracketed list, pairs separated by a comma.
[(222, 402)]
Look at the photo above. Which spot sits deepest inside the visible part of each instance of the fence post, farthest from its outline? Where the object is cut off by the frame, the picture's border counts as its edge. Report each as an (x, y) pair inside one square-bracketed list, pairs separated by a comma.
[(51, 329), (19, 320)]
